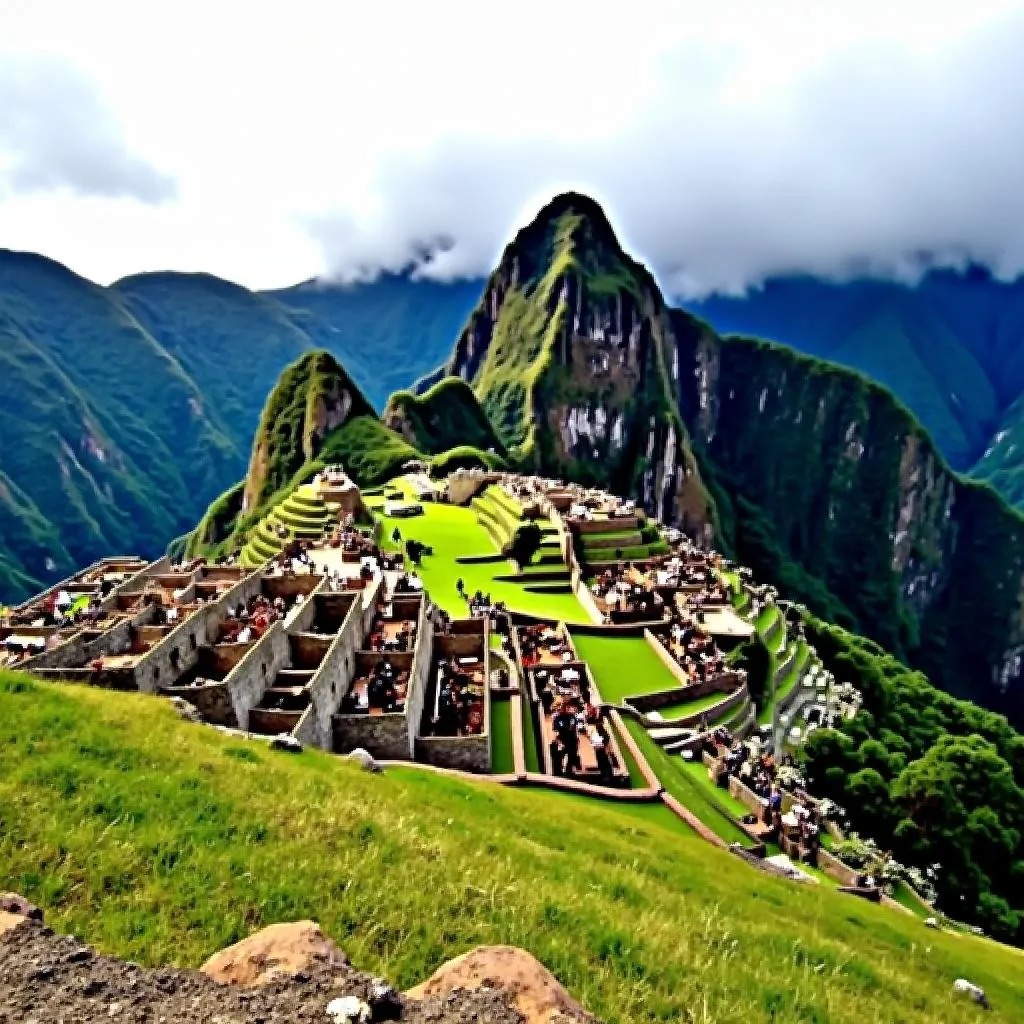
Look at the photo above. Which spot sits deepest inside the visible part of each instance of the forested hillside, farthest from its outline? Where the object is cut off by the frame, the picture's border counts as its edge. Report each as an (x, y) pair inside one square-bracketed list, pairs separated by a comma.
[(951, 347), (125, 410)]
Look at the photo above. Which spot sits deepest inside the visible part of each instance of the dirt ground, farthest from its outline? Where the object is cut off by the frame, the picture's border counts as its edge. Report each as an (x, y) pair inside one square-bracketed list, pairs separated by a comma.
[(47, 978)]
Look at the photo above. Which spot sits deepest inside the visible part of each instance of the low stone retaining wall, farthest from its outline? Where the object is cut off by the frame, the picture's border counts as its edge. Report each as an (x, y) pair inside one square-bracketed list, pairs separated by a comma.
[(835, 868)]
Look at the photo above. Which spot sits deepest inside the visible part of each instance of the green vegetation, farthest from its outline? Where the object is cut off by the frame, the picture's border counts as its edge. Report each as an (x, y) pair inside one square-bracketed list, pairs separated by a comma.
[(803, 498), (691, 707), (933, 778), (161, 841), (454, 532), (686, 786), (623, 666), (110, 445), (445, 416), (502, 761)]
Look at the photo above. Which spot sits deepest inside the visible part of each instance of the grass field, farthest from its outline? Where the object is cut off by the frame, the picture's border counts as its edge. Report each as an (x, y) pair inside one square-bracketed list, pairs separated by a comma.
[(162, 841), (453, 531), (623, 667), (691, 707), (502, 761)]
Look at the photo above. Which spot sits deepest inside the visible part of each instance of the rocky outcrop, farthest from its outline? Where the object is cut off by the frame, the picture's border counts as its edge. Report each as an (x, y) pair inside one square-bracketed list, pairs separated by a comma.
[(49, 977), (533, 989), (280, 950), (833, 490)]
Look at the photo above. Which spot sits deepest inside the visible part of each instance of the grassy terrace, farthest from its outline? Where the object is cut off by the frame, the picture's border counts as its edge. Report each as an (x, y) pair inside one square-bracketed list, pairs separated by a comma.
[(502, 761), (687, 788), (162, 841), (693, 707), (624, 666), (789, 680), (453, 531)]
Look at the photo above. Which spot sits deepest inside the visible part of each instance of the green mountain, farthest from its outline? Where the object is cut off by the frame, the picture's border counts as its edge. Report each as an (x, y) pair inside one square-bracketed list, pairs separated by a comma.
[(109, 443), (316, 416), (950, 346), (126, 408), (813, 475), (446, 415), (566, 352), (387, 332)]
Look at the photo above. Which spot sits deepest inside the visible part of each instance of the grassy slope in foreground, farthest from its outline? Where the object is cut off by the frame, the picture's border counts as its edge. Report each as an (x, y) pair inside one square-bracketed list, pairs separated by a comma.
[(162, 841)]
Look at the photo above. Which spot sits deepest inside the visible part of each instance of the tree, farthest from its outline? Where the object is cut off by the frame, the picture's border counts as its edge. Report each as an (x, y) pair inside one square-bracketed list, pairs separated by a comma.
[(524, 543)]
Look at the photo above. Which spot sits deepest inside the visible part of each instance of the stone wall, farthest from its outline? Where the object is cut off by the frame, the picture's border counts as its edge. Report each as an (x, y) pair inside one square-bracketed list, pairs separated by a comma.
[(249, 679), (464, 486), (331, 681), (466, 753), (212, 701), (391, 736)]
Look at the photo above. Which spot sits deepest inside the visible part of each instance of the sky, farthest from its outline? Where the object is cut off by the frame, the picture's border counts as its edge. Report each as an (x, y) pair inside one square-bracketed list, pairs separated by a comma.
[(727, 141)]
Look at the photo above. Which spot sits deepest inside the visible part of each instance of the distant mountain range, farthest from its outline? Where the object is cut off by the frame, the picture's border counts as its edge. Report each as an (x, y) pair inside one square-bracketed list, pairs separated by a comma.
[(124, 410)]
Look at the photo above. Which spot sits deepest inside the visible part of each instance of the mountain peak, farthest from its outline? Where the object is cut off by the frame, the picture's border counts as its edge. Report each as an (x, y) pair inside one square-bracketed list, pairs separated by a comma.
[(312, 397)]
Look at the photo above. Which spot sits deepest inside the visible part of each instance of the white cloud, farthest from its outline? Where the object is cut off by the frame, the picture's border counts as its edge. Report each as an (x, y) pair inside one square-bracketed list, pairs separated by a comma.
[(727, 141), (56, 134)]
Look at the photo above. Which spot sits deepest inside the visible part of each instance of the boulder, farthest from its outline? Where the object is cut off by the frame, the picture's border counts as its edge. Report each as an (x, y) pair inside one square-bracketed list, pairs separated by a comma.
[(529, 985), (16, 910), (973, 992), (286, 742), (364, 759), (281, 950)]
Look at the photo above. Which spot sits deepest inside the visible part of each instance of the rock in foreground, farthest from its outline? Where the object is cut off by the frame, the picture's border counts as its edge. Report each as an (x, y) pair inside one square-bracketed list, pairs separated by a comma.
[(527, 982), (279, 951), (47, 977)]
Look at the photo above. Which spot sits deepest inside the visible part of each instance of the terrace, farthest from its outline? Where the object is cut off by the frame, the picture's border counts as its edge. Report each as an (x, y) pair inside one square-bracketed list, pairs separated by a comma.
[(572, 738), (455, 720)]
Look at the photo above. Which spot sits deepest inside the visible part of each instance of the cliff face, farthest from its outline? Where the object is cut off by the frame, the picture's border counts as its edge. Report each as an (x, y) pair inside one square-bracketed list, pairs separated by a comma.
[(313, 397), (566, 352), (845, 483)]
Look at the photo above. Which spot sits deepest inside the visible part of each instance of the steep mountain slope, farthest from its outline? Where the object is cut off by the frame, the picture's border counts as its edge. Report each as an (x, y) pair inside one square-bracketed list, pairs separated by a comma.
[(566, 352), (821, 480), (314, 417), (445, 416), (233, 341), (951, 347), (388, 332), (108, 443)]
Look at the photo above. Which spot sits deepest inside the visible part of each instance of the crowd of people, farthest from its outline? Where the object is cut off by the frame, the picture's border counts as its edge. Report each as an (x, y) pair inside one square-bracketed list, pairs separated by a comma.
[(248, 621), (459, 709), (621, 592), (693, 648), (385, 689)]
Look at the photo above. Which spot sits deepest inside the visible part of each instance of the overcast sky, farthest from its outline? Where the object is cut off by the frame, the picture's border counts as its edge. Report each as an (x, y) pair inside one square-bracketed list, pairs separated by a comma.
[(728, 141)]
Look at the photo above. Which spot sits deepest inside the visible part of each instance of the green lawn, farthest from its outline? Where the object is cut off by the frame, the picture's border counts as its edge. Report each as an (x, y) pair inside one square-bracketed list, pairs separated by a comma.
[(502, 760), (162, 841), (697, 772), (530, 751), (692, 707), (453, 531), (678, 778), (623, 666)]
